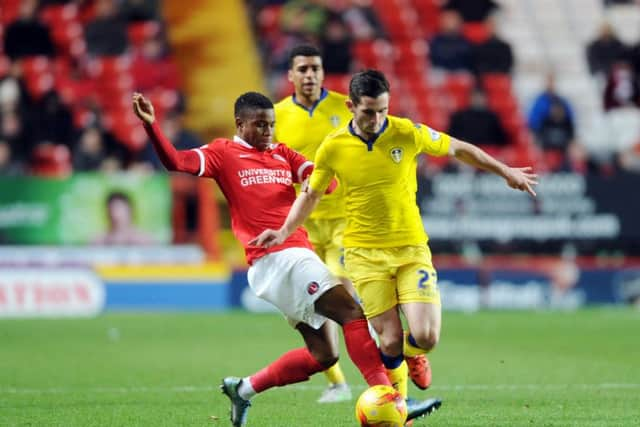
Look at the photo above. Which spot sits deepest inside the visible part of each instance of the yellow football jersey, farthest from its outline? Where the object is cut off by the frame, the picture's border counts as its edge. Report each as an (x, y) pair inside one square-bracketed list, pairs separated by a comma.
[(304, 129), (379, 179)]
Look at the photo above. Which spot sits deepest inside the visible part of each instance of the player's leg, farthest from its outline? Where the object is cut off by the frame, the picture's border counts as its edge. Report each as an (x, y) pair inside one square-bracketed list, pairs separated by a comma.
[(375, 284), (321, 236), (338, 305), (292, 367), (420, 301), (388, 327)]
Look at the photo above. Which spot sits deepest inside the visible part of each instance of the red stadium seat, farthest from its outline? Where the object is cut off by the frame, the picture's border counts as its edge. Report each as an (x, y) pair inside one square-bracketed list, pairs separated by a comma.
[(51, 160), (475, 32), (139, 32), (337, 82), (496, 83)]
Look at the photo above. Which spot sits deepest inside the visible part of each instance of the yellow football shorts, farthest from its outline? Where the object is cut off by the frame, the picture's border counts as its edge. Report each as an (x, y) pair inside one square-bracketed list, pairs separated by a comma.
[(386, 277), (326, 237)]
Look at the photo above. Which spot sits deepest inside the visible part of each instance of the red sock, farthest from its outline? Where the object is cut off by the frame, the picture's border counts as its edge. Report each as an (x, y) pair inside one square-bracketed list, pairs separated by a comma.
[(292, 367), (364, 353)]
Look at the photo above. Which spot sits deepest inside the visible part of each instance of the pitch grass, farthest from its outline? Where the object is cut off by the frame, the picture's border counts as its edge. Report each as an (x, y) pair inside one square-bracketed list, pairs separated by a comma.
[(491, 369)]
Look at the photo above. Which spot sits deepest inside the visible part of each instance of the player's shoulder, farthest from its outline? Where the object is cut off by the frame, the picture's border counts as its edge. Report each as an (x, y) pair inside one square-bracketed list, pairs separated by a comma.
[(337, 134), (336, 96), (402, 124), (217, 143), (284, 104)]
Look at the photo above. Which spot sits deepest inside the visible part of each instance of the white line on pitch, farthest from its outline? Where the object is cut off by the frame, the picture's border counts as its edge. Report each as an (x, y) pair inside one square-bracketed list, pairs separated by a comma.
[(198, 389)]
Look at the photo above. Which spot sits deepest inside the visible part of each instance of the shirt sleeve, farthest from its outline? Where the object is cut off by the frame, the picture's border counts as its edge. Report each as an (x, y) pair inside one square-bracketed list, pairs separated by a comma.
[(300, 166), (431, 141), (210, 157), (322, 173)]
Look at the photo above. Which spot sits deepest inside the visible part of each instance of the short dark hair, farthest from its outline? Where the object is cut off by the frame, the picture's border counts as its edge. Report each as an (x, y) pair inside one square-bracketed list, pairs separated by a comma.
[(251, 101), (118, 195), (371, 83), (303, 50)]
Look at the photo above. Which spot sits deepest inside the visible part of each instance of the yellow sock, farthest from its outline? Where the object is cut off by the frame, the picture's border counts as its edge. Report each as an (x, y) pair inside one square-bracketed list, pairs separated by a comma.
[(398, 378), (335, 375), (410, 350)]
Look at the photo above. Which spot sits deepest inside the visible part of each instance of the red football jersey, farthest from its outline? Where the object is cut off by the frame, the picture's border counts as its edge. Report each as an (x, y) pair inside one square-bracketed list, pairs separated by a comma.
[(258, 187)]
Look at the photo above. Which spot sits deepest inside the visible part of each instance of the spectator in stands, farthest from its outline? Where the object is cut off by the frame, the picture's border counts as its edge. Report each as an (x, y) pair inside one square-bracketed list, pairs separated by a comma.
[(27, 36), (494, 55), (472, 10), (106, 35), (307, 17), (478, 123), (8, 165), (14, 131), (604, 50), (139, 10), (449, 50), (542, 105), (621, 89), (335, 45), (52, 121), (152, 66), (362, 20), (91, 150), (182, 139)]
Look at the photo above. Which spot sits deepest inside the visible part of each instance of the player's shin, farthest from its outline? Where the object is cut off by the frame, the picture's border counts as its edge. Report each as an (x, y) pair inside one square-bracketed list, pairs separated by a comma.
[(292, 367), (397, 371), (364, 353)]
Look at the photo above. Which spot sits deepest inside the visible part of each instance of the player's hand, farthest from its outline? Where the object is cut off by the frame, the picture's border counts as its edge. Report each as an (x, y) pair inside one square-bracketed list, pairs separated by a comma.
[(522, 179), (268, 238), (143, 108)]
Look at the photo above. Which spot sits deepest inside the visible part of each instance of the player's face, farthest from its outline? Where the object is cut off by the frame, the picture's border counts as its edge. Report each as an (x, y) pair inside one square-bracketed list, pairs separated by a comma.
[(256, 127), (307, 75), (370, 113)]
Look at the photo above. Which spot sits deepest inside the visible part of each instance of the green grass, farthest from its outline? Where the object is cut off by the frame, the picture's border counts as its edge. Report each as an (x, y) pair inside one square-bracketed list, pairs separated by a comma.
[(491, 369)]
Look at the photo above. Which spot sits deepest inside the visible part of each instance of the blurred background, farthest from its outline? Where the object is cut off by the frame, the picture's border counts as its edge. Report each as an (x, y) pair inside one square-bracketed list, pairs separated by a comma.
[(90, 221)]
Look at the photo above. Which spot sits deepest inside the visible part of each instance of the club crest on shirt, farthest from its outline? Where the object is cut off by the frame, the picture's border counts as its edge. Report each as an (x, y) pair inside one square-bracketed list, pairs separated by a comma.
[(335, 121), (312, 288), (396, 154)]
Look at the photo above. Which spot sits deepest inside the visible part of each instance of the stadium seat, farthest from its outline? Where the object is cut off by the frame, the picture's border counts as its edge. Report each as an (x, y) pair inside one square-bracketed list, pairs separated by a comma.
[(337, 82), (51, 160), (139, 32), (475, 32)]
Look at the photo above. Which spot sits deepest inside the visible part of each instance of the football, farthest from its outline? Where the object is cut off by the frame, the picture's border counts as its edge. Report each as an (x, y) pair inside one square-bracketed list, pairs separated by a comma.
[(381, 406)]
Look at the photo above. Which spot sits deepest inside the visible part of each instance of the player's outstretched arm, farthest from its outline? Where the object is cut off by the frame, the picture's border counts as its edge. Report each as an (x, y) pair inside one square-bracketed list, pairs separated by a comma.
[(172, 159), (299, 212), (522, 179)]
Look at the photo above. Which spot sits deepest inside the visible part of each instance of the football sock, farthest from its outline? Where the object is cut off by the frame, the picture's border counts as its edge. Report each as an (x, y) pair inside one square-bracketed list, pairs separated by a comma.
[(397, 370), (335, 375), (245, 389), (292, 367), (411, 348), (364, 353)]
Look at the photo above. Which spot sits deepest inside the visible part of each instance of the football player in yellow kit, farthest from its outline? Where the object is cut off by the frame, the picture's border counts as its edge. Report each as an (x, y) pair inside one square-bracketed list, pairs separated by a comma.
[(386, 254)]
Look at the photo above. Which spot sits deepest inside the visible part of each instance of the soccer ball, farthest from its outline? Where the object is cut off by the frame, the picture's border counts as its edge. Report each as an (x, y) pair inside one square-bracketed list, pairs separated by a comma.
[(381, 406)]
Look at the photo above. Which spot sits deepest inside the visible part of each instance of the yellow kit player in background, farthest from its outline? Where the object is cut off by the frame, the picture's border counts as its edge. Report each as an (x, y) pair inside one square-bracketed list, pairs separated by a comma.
[(302, 122), (386, 253)]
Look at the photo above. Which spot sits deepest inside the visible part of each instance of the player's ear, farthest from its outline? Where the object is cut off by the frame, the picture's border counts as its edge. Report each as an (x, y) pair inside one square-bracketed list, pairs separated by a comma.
[(350, 105), (239, 122), (290, 75)]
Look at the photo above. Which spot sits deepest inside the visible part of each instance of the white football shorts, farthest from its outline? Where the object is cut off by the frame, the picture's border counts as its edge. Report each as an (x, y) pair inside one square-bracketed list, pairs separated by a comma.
[(292, 279)]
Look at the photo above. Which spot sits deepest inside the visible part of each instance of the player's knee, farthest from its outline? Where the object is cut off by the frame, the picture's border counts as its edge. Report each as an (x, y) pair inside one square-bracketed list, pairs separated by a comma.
[(390, 343), (326, 358), (426, 339)]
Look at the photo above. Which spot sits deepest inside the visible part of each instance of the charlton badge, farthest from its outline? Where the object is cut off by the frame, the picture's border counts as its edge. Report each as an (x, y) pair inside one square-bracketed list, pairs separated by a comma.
[(312, 288)]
